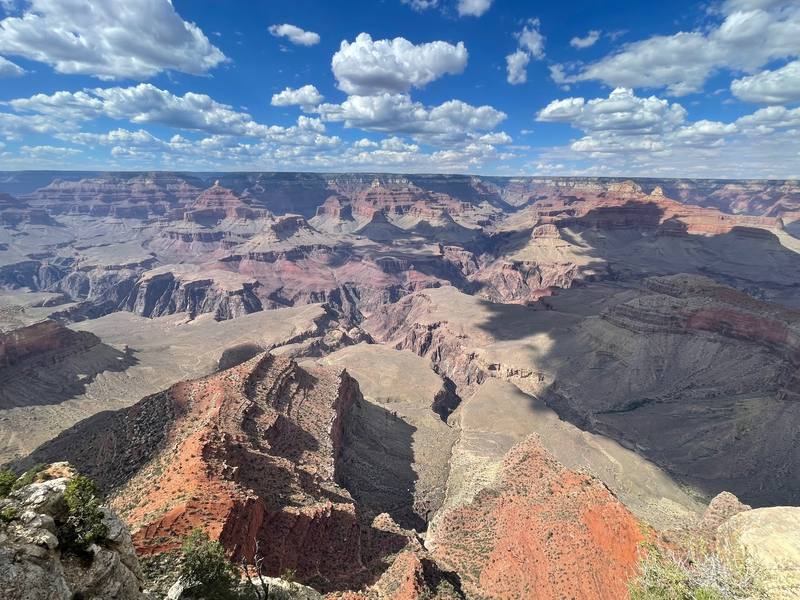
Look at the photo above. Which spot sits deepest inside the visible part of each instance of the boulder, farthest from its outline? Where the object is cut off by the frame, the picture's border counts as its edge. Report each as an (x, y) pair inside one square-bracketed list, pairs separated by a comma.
[(770, 537)]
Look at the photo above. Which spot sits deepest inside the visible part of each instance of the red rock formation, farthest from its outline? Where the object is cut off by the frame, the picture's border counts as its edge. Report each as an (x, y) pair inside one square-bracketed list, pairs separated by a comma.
[(250, 457), (540, 531)]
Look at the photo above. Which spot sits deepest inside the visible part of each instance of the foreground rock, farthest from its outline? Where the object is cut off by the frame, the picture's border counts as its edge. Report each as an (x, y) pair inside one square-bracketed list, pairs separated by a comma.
[(32, 563), (770, 537)]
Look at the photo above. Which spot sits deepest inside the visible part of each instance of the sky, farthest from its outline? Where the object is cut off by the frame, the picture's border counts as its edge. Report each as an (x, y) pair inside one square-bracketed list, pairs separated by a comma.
[(493, 87)]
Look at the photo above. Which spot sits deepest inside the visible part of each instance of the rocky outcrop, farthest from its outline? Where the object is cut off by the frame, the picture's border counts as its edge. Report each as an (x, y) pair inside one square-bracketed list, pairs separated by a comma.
[(689, 304), (218, 203), (540, 530), (47, 363), (413, 575), (168, 291), (35, 566), (40, 341), (770, 539)]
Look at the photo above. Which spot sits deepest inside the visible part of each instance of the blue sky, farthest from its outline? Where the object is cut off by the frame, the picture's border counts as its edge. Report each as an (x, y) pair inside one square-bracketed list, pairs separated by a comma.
[(682, 89)]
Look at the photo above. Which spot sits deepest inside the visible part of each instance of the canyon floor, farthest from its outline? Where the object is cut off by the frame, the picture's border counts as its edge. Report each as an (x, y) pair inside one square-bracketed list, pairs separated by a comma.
[(450, 385)]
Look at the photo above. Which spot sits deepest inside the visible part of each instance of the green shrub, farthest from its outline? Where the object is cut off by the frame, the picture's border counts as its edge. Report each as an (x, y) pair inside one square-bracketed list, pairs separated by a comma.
[(663, 575), (7, 480), (84, 525), (8, 514), (206, 571)]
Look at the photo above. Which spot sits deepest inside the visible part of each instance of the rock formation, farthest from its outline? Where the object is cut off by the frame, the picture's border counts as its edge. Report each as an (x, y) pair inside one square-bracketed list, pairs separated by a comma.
[(250, 455), (770, 538), (540, 530), (35, 566)]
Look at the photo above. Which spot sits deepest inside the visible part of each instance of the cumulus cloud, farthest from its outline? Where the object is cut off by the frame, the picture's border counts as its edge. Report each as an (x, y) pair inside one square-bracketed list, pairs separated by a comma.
[(622, 111), (530, 46), (308, 95), (398, 114), (14, 127), (590, 39), (365, 67), (295, 34), (751, 34), (140, 104), (115, 137), (517, 67), (109, 39), (624, 134), (768, 120), (9, 69), (780, 86), (473, 8), (625, 123)]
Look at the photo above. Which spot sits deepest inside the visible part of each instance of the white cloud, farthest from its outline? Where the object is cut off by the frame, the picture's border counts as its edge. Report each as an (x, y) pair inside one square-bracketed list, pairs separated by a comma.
[(420, 5), (140, 104), (751, 34), (294, 34), (9, 69), (365, 67), (705, 133), (531, 40), (110, 39), (768, 120), (624, 123), (113, 138), (531, 46), (49, 151), (628, 135), (590, 39), (473, 8), (308, 95), (398, 114), (14, 127), (622, 111), (517, 67), (770, 87), (364, 143)]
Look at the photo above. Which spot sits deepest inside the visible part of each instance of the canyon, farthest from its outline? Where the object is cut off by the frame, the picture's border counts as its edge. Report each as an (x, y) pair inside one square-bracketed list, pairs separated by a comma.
[(421, 386)]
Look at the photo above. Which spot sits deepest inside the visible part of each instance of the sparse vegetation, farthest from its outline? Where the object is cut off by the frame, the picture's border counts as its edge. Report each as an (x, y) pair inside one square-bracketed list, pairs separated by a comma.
[(665, 575), (8, 514), (84, 524), (206, 571), (7, 480)]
